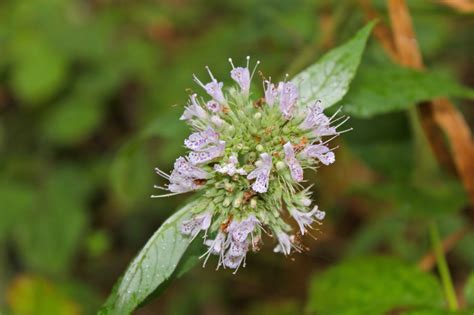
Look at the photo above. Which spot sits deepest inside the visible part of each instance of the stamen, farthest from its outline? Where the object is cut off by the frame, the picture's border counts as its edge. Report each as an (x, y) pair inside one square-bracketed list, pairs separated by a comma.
[(231, 63), (210, 73), (198, 81), (254, 68)]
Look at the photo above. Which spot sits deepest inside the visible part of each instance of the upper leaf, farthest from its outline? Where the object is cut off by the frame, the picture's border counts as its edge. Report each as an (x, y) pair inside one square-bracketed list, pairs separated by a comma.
[(372, 286), (328, 79), (386, 88), (151, 268)]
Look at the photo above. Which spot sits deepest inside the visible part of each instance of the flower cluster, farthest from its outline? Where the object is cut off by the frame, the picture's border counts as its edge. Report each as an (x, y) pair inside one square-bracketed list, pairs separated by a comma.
[(247, 158)]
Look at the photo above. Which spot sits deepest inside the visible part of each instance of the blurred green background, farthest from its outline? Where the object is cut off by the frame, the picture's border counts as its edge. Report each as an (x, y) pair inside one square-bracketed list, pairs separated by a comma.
[(90, 96)]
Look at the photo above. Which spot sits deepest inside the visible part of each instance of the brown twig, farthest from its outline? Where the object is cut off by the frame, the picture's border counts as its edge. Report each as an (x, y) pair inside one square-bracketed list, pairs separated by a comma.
[(464, 6), (439, 112), (436, 116)]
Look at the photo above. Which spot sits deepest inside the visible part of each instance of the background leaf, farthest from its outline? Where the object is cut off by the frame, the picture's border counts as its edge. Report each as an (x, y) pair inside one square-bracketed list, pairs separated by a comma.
[(328, 79), (372, 286), (386, 88), (469, 290), (33, 295)]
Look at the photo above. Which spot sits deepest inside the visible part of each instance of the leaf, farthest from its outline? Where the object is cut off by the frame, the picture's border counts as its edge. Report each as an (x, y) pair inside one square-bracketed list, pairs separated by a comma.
[(372, 286), (39, 70), (72, 120), (328, 79), (130, 174), (152, 267), (33, 295), (469, 290), (438, 312), (59, 217), (385, 88)]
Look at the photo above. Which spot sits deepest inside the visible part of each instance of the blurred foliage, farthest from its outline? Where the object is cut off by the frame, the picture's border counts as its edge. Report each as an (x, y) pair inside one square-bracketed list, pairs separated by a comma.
[(87, 109), (360, 287)]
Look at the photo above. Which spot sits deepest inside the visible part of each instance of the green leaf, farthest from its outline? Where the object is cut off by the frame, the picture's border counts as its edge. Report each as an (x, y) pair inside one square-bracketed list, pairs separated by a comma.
[(386, 88), (469, 290), (328, 79), (130, 175), (39, 70), (72, 120), (152, 267), (49, 233), (372, 286), (437, 312)]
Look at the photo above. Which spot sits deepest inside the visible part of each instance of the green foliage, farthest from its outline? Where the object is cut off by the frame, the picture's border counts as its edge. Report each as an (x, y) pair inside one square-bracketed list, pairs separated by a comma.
[(150, 269), (40, 70), (60, 219), (384, 88), (372, 286), (437, 312), (469, 290), (87, 109), (329, 78), (32, 295)]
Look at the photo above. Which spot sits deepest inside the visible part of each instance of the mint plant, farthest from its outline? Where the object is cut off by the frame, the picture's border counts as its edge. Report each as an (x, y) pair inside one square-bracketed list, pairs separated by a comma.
[(246, 163)]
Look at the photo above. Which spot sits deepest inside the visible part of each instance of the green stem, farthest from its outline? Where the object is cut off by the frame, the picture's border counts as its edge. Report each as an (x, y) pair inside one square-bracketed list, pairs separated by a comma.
[(443, 268)]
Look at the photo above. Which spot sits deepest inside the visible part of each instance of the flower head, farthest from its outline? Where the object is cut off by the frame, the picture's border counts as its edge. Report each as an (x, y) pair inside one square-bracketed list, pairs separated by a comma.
[(246, 160)]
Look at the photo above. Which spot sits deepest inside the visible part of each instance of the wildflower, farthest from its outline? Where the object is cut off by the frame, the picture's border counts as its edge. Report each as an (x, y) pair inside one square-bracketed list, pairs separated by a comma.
[(288, 98), (261, 173), (193, 109), (271, 92), (295, 167), (320, 152), (307, 218), (246, 161)]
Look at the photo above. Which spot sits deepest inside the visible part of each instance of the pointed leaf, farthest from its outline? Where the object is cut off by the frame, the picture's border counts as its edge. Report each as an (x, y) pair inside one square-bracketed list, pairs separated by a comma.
[(328, 79), (152, 267)]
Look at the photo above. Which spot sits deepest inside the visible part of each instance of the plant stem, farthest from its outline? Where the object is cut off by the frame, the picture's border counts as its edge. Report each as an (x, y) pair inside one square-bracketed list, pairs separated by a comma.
[(443, 268)]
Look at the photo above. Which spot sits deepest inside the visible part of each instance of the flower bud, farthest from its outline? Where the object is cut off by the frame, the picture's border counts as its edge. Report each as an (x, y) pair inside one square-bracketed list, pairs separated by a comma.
[(280, 165)]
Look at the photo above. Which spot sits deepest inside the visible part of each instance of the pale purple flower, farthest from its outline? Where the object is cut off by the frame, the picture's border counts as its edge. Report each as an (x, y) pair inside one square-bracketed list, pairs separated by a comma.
[(213, 106), (307, 218), (314, 116), (238, 248), (241, 230), (213, 88), (199, 140), (241, 76), (185, 168), (182, 178), (233, 262), (320, 152), (193, 109), (315, 119), (193, 226), (207, 154), (324, 130), (295, 167), (216, 246), (288, 98), (261, 173), (230, 168), (284, 243), (271, 92)]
